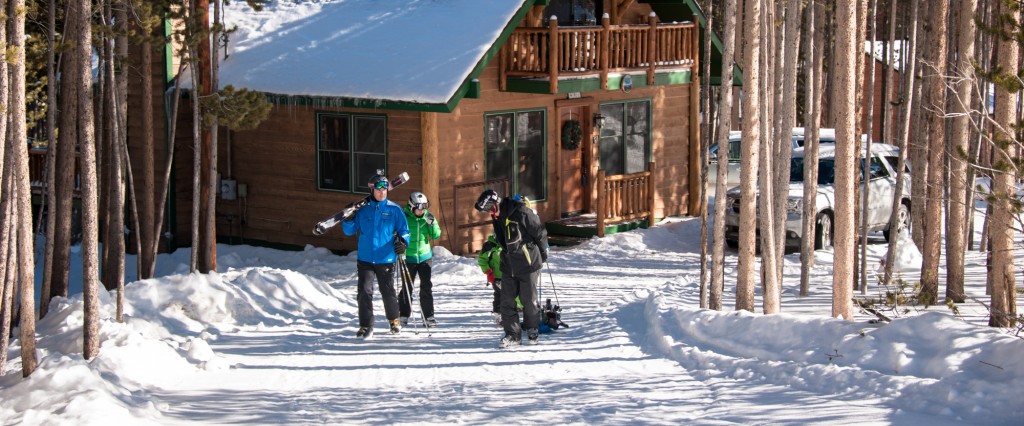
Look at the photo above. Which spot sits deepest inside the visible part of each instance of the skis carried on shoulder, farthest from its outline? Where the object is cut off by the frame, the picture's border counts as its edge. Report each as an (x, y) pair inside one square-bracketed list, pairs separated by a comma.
[(351, 209)]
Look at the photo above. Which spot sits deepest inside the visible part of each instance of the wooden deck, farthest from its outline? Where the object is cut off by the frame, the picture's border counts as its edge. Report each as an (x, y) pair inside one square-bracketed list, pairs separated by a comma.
[(576, 229)]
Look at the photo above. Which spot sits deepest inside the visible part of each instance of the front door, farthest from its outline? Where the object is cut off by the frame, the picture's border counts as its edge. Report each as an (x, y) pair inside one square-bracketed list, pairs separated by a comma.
[(573, 141)]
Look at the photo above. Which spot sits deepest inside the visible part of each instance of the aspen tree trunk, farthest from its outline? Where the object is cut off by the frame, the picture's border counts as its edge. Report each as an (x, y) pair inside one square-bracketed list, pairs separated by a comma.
[(148, 234), (766, 176), (847, 47), (725, 123), (90, 232), (207, 242), (705, 133), (165, 185), (1001, 231), (197, 167), (815, 57), (211, 210), (961, 132), (902, 136), (7, 248), (66, 166), (916, 144), (935, 106), (51, 159), (751, 137), (22, 187), (870, 115)]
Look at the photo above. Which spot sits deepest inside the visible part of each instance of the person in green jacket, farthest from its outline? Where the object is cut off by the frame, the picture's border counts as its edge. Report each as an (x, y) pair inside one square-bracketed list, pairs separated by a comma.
[(489, 260), (423, 229)]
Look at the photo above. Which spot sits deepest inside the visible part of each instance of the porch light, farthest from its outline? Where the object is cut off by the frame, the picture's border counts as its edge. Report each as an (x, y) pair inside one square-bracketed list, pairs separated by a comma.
[(598, 121)]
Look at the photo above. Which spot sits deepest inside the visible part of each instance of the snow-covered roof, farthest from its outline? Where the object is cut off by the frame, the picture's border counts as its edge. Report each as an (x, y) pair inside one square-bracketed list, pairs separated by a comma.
[(418, 51)]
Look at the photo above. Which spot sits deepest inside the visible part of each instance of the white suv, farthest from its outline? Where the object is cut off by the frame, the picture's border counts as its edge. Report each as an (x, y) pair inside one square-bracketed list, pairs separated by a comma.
[(825, 136), (882, 182)]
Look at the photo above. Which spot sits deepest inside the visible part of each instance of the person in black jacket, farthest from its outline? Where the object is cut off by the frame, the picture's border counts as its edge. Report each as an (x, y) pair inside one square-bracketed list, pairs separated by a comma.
[(524, 243)]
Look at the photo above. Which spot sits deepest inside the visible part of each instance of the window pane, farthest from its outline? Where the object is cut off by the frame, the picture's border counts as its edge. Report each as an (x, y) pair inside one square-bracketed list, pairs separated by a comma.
[(334, 133), (531, 170), (637, 129), (366, 167), (334, 170), (499, 146), (371, 134), (611, 139)]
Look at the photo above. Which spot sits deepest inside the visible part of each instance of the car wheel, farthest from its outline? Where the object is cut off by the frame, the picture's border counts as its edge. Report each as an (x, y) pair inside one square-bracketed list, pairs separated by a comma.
[(902, 222), (823, 231)]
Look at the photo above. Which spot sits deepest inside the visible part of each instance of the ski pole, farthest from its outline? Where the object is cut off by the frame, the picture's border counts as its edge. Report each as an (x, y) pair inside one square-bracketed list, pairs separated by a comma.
[(408, 292), (553, 289), (408, 278)]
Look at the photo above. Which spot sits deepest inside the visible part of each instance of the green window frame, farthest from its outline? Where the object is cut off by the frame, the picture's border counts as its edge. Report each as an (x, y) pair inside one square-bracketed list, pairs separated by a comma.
[(350, 148), (625, 145), (516, 148)]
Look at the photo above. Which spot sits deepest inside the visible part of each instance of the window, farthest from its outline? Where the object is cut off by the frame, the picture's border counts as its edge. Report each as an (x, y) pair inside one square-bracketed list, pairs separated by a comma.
[(517, 150), (625, 145), (350, 149)]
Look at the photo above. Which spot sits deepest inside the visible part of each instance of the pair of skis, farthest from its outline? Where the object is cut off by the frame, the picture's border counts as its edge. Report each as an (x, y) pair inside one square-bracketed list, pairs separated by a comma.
[(351, 209)]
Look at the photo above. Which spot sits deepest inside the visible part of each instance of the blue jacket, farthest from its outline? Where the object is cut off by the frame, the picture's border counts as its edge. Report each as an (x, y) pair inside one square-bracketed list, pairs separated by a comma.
[(377, 225)]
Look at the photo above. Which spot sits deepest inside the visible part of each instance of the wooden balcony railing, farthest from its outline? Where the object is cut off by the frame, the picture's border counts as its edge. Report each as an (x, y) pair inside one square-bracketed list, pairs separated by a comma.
[(625, 197), (555, 52), (37, 171)]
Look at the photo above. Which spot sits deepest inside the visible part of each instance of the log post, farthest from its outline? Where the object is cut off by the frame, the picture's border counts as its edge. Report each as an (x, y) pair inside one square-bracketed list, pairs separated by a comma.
[(606, 34), (695, 37), (504, 63), (694, 163), (650, 194), (553, 54), (602, 195), (652, 53)]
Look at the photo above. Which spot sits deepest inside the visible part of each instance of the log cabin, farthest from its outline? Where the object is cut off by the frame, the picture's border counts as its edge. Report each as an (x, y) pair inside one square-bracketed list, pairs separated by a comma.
[(587, 107)]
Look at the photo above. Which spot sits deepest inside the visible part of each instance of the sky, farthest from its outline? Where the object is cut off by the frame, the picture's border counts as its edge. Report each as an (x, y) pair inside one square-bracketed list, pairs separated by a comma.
[(270, 339)]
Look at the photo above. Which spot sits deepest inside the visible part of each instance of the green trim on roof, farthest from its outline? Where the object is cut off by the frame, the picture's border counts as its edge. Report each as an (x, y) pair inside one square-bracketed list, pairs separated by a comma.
[(593, 84)]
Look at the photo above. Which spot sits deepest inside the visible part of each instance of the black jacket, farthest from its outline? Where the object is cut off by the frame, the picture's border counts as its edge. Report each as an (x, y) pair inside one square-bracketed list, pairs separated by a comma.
[(522, 237)]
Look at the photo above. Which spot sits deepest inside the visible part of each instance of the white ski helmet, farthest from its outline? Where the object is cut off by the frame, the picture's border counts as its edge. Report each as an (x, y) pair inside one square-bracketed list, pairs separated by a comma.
[(417, 200)]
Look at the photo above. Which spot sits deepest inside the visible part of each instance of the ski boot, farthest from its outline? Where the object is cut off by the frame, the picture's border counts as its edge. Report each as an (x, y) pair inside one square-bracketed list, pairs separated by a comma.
[(364, 333), (395, 326)]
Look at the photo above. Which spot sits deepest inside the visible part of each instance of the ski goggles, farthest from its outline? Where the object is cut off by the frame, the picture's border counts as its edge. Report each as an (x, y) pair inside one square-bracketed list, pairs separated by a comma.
[(381, 184), (419, 206)]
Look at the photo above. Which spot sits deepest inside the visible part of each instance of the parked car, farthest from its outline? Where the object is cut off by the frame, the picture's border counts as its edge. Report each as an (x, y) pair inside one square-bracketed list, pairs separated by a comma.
[(825, 136), (883, 161)]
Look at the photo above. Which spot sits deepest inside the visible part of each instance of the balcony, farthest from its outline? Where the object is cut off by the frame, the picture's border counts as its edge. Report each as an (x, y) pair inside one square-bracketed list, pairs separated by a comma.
[(556, 54)]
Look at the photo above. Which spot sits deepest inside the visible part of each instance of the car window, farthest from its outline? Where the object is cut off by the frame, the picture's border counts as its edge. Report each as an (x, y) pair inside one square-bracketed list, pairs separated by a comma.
[(878, 169), (826, 171)]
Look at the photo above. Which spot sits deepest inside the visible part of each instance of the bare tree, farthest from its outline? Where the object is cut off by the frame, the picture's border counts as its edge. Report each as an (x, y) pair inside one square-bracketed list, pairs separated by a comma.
[(814, 83), (902, 135), (1001, 230), (935, 104), (7, 248), (725, 123), (66, 166), (869, 107), (706, 137), (749, 158), (82, 31), (22, 187), (846, 48), (917, 146), (51, 158), (961, 132)]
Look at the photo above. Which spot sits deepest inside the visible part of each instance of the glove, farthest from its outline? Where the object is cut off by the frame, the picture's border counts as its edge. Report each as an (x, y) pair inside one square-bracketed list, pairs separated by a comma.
[(544, 256), (400, 245), (429, 218), (490, 276)]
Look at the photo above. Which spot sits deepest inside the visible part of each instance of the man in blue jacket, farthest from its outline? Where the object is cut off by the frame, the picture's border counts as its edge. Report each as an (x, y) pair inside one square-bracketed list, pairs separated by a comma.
[(383, 235)]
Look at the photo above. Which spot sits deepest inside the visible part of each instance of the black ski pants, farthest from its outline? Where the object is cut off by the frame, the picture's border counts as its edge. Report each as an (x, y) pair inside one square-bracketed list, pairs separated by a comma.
[(526, 287), (421, 269), (385, 275)]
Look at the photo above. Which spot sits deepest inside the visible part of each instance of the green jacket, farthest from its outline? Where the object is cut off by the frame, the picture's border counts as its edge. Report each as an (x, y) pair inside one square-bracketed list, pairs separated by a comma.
[(490, 257), (420, 236)]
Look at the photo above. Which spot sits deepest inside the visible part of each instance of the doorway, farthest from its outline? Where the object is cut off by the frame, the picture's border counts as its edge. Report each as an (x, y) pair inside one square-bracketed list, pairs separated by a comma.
[(574, 141)]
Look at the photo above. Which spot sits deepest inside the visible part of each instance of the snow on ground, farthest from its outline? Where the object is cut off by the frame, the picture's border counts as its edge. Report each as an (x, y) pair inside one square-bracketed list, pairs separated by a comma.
[(270, 339)]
